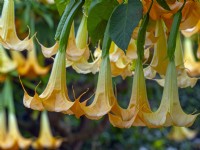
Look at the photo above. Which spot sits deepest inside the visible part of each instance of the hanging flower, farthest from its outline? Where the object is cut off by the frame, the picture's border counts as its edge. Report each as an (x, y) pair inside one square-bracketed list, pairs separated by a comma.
[(183, 80), (191, 64), (190, 13), (104, 98), (120, 63), (8, 36), (180, 134), (125, 118), (54, 97), (14, 139), (46, 139), (28, 67), (77, 50), (170, 111), (191, 31), (159, 61)]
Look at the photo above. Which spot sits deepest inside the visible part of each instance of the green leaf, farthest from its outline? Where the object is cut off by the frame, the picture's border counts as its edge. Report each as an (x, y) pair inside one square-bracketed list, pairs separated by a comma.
[(123, 21), (99, 13), (61, 4), (163, 4)]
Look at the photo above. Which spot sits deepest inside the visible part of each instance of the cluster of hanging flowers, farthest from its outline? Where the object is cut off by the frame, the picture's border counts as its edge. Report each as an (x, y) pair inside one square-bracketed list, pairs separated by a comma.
[(160, 30)]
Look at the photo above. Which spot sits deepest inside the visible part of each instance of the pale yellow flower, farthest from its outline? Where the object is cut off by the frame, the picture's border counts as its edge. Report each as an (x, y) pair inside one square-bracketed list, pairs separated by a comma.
[(191, 31), (170, 111), (132, 116), (183, 80), (8, 36), (104, 98), (46, 139), (191, 64), (77, 50), (55, 96), (159, 61), (180, 134), (14, 139), (28, 67)]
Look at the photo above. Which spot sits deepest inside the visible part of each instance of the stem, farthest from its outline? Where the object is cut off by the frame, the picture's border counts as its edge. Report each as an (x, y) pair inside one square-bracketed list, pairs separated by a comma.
[(8, 96)]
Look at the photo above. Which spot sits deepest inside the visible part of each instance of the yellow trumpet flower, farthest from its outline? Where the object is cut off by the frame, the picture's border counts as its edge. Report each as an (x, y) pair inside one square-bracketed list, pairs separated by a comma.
[(46, 139), (190, 63), (125, 118), (159, 61), (14, 139), (8, 35), (104, 98), (120, 63), (190, 13), (54, 97), (77, 50), (183, 79), (28, 67), (170, 111), (179, 134), (191, 31)]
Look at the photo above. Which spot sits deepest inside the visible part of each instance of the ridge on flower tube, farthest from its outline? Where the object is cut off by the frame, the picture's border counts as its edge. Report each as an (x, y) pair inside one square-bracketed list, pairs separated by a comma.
[(28, 67), (104, 98), (170, 111), (179, 134), (46, 139), (183, 79), (138, 104), (8, 35)]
